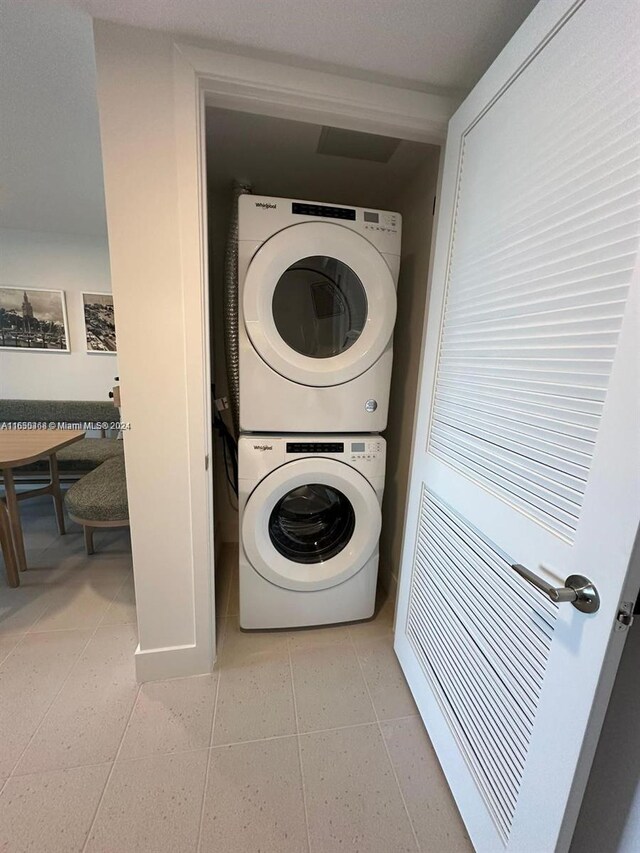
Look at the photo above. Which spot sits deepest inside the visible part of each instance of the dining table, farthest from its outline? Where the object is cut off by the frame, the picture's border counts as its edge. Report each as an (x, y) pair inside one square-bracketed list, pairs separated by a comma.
[(19, 447)]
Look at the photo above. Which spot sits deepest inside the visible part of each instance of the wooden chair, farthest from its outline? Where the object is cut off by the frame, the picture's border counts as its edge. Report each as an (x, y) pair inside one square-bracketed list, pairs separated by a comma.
[(6, 545)]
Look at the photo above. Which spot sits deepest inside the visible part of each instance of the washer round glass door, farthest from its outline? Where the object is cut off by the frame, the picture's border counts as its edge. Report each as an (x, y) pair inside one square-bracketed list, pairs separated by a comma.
[(319, 303), (311, 524)]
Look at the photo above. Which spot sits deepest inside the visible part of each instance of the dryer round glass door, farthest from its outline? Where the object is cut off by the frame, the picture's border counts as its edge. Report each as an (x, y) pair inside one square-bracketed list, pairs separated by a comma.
[(311, 524), (319, 307), (319, 303)]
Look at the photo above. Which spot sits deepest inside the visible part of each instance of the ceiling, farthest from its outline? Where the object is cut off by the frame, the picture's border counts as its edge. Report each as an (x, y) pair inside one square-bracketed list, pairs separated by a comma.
[(50, 160), (440, 43), (278, 157)]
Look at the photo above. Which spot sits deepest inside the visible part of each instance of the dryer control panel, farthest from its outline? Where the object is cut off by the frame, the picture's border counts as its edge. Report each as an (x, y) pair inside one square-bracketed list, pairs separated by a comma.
[(307, 209), (260, 217), (312, 447), (381, 221)]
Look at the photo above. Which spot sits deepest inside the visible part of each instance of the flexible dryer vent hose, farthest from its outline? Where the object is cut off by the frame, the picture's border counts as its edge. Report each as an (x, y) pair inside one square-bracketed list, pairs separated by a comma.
[(231, 308)]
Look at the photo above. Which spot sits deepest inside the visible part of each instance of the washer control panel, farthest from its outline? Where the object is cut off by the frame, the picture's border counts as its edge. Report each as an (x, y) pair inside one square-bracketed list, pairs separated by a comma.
[(310, 447), (365, 450), (259, 454)]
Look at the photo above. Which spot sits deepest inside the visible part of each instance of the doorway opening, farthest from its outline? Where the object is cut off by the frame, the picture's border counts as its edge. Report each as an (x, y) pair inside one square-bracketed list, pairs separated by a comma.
[(301, 160)]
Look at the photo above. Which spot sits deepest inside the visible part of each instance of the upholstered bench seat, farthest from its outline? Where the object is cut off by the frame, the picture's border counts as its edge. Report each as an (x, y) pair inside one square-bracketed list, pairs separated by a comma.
[(101, 495), (58, 411), (90, 452), (81, 456), (99, 499), (77, 458)]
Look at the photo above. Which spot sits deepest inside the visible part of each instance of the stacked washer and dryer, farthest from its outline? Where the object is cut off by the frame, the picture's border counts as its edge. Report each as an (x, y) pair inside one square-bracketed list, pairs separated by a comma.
[(317, 306)]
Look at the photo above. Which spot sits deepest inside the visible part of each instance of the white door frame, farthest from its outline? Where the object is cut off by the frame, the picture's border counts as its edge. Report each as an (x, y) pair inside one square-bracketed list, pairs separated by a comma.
[(209, 77)]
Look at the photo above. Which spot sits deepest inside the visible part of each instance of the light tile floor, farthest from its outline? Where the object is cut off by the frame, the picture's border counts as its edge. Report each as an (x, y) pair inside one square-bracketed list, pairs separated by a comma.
[(299, 741)]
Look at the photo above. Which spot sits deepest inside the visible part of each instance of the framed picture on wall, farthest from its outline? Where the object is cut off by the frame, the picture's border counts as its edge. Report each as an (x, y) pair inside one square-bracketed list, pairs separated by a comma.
[(33, 319), (99, 322)]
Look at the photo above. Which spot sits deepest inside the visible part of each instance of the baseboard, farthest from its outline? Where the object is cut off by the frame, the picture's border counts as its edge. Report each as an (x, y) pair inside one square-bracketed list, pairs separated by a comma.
[(171, 662)]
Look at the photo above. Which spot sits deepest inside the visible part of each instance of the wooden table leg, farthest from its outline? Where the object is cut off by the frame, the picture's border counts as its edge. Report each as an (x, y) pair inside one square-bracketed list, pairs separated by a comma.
[(6, 544), (14, 518), (56, 493)]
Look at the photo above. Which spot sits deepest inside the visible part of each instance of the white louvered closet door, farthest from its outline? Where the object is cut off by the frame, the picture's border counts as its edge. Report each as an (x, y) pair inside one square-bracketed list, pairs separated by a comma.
[(527, 443)]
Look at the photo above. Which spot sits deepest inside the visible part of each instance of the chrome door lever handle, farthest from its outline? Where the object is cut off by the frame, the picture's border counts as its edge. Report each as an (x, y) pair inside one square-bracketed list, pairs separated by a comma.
[(577, 589)]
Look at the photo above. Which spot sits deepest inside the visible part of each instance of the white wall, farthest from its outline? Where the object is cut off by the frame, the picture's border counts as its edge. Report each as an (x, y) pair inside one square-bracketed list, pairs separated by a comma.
[(49, 134), (169, 527), (73, 264), (415, 204)]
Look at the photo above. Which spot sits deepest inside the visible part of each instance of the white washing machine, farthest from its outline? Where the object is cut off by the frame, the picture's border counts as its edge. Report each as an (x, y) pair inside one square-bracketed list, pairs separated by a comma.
[(317, 306), (310, 516)]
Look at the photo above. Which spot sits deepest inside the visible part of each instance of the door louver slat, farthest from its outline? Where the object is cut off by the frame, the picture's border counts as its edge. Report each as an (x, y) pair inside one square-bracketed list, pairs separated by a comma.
[(547, 431), (536, 291), (485, 653)]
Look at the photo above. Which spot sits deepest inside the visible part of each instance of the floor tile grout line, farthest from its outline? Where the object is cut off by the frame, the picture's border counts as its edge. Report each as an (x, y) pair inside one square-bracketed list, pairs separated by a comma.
[(60, 769), (386, 749), (53, 700), (61, 583), (69, 630), (395, 776), (38, 617), (55, 541), (209, 756), (299, 746), (12, 650), (54, 586), (59, 691), (293, 734), (64, 581), (110, 773), (63, 630), (38, 552), (203, 801), (103, 624), (212, 748), (52, 770)]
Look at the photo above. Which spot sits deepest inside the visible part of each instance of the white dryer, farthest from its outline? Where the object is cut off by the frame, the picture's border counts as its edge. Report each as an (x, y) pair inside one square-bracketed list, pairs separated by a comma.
[(310, 516), (317, 306)]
